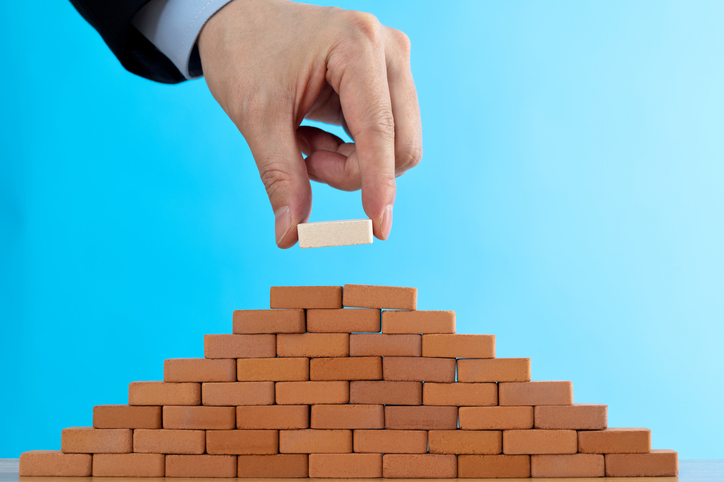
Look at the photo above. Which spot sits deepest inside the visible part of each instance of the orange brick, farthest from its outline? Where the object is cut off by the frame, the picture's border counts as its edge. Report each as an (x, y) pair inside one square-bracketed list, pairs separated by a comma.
[(422, 417), (465, 441), (272, 369), (343, 321), (308, 393), (579, 416), (575, 465), (418, 369), (269, 321), (126, 416), (234, 442), (536, 393), (305, 297), (384, 297), (199, 418), (418, 322), (473, 394), (379, 344), (391, 441), (128, 465), (347, 368), (458, 346), (345, 466), (496, 418), (88, 440), (419, 466), (280, 465), (169, 441), (199, 370), (313, 345), (658, 463), (201, 466), (315, 441), (540, 442), (240, 346), (615, 441), (494, 370), (238, 393), (493, 466), (385, 393), (349, 416), (161, 393), (49, 463), (276, 417)]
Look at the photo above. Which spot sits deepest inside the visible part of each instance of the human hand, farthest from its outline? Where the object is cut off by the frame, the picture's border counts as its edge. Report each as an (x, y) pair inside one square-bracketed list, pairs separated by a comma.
[(272, 63)]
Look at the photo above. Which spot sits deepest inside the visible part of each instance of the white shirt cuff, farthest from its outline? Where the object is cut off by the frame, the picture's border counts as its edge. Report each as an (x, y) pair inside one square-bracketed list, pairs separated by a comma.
[(173, 27)]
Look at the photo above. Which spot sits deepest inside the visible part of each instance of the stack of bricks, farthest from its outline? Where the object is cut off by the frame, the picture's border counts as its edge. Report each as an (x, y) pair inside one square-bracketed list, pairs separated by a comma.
[(312, 388)]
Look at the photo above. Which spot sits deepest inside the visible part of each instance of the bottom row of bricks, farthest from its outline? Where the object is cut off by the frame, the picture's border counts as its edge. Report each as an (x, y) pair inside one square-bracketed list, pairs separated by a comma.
[(655, 463)]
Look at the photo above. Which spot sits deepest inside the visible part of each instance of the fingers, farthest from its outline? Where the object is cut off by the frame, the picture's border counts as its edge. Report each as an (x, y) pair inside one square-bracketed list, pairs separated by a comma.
[(329, 159)]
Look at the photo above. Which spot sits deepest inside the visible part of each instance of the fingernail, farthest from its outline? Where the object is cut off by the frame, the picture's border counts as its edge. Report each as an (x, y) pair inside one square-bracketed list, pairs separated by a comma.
[(387, 222), (282, 223)]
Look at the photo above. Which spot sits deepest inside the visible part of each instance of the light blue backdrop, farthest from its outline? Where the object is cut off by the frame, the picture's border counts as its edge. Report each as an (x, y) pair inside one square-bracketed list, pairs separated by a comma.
[(570, 201)]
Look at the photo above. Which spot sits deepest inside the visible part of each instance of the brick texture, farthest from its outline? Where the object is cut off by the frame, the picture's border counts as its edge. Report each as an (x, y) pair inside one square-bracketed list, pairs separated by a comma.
[(496, 418), (349, 416), (235, 442), (578, 416), (391, 441), (240, 346), (199, 418), (88, 440), (460, 394), (383, 297), (575, 465), (379, 344), (458, 346), (169, 441), (494, 370), (49, 463), (343, 321), (126, 416), (237, 393), (465, 442), (129, 465), (615, 441), (272, 369), (536, 393), (658, 463), (160, 393), (268, 321), (405, 368), (315, 441), (540, 442), (312, 392), (419, 466), (313, 345), (493, 466), (201, 466), (305, 297), (425, 417), (418, 322), (348, 368), (384, 392), (199, 370), (274, 417), (345, 465), (272, 466)]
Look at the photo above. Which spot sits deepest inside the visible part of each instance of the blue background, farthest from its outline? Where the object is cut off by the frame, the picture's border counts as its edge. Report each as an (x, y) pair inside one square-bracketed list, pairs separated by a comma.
[(570, 201)]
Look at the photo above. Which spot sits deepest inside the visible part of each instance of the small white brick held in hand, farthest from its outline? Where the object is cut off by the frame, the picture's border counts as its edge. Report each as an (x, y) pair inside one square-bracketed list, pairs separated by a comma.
[(335, 233)]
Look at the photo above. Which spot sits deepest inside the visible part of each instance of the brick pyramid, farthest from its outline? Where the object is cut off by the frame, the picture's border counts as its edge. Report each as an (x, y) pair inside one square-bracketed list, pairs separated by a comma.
[(310, 389)]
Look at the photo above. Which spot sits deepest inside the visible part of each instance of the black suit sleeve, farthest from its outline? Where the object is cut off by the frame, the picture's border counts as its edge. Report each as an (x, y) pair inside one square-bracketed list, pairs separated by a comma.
[(112, 19)]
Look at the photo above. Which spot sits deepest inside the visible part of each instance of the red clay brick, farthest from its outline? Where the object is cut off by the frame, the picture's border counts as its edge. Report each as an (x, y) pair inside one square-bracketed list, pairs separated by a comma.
[(615, 441), (238, 393), (313, 345), (384, 297), (579, 416), (268, 321), (465, 441), (540, 442), (423, 417), (275, 417), (493, 466), (472, 394), (343, 321), (494, 370), (575, 465), (161, 393), (126, 416), (305, 297), (272, 369), (235, 442), (536, 393), (418, 369), (315, 441), (419, 466), (201, 466), (49, 463), (418, 322), (391, 441), (379, 344), (315, 392), (240, 346), (658, 463), (385, 393), (128, 465), (88, 440), (349, 416), (458, 346), (199, 370), (347, 368), (345, 466), (169, 441), (496, 418), (199, 418), (280, 465)]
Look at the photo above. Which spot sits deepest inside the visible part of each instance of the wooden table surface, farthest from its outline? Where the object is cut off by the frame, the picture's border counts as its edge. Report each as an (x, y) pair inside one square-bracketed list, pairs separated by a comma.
[(689, 471)]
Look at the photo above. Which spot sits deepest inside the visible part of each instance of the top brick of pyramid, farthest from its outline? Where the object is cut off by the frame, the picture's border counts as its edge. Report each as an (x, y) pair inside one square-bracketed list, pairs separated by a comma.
[(353, 296)]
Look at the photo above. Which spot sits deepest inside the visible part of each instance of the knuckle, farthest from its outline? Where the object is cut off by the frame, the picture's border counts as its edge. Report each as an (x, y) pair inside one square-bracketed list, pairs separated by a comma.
[(410, 156), (276, 178), (379, 120), (365, 25), (402, 41)]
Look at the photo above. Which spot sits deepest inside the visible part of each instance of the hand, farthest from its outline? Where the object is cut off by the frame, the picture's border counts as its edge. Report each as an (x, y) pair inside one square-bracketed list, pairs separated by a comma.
[(272, 63)]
